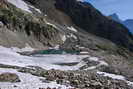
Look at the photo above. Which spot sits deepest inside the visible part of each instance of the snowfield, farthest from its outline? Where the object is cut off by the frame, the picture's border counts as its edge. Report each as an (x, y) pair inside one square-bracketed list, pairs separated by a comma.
[(9, 56), (28, 81), (22, 5)]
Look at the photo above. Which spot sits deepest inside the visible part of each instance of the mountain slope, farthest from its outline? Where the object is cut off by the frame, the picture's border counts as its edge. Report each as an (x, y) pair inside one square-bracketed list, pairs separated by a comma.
[(93, 51), (80, 25), (21, 26), (86, 17)]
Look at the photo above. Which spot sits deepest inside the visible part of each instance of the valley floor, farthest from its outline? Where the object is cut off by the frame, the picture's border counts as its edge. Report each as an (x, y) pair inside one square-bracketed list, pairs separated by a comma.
[(77, 64)]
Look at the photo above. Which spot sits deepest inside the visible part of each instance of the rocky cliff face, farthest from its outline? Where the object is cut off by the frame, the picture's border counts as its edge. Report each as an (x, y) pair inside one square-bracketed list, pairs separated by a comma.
[(85, 16)]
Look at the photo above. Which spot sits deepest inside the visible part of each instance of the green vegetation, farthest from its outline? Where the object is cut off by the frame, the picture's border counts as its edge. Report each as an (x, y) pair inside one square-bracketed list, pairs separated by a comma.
[(17, 20)]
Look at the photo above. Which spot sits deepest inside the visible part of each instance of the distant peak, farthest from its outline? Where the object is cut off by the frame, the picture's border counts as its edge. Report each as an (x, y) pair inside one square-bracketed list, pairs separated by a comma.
[(115, 17)]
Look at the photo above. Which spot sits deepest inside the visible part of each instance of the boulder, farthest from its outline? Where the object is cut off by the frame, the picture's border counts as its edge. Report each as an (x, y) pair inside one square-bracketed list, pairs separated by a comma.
[(9, 77)]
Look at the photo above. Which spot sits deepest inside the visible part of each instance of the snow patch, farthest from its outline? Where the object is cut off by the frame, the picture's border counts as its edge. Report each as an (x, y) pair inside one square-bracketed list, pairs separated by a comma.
[(64, 38), (93, 59), (26, 48), (56, 47), (114, 76), (28, 81), (72, 29), (22, 5), (129, 83), (119, 77), (50, 24), (38, 10), (45, 15), (72, 35), (84, 52)]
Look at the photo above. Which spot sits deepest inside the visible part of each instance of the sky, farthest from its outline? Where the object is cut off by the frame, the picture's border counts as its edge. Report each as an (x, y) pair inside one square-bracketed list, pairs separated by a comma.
[(123, 8)]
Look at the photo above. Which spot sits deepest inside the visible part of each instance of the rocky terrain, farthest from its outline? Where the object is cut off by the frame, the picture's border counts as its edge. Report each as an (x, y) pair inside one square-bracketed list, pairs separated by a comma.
[(105, 47)]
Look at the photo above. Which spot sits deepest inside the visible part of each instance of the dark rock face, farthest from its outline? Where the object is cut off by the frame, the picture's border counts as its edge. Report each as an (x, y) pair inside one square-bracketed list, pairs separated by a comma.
[(87, 17), (128, 23)]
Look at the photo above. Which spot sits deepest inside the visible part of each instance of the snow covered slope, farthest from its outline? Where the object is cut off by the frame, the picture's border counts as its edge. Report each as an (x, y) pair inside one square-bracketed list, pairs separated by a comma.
[(9, 57), (22, 5)]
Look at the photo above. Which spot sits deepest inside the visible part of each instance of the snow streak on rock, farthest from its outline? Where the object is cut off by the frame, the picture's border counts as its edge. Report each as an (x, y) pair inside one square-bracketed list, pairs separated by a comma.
[(114, 76), (72, 29), (22, 5)]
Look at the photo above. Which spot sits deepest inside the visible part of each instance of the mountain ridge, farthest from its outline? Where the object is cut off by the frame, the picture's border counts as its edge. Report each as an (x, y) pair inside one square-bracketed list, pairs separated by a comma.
[(102, 27), (128, 23), (82, 14)]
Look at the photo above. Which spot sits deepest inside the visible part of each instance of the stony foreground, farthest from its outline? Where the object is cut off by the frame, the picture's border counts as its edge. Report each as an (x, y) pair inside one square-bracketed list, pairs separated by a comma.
[(62, 79)]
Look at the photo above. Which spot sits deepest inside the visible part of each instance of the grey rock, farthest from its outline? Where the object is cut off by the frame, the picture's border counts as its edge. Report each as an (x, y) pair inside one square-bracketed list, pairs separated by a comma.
[(9, 77)]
